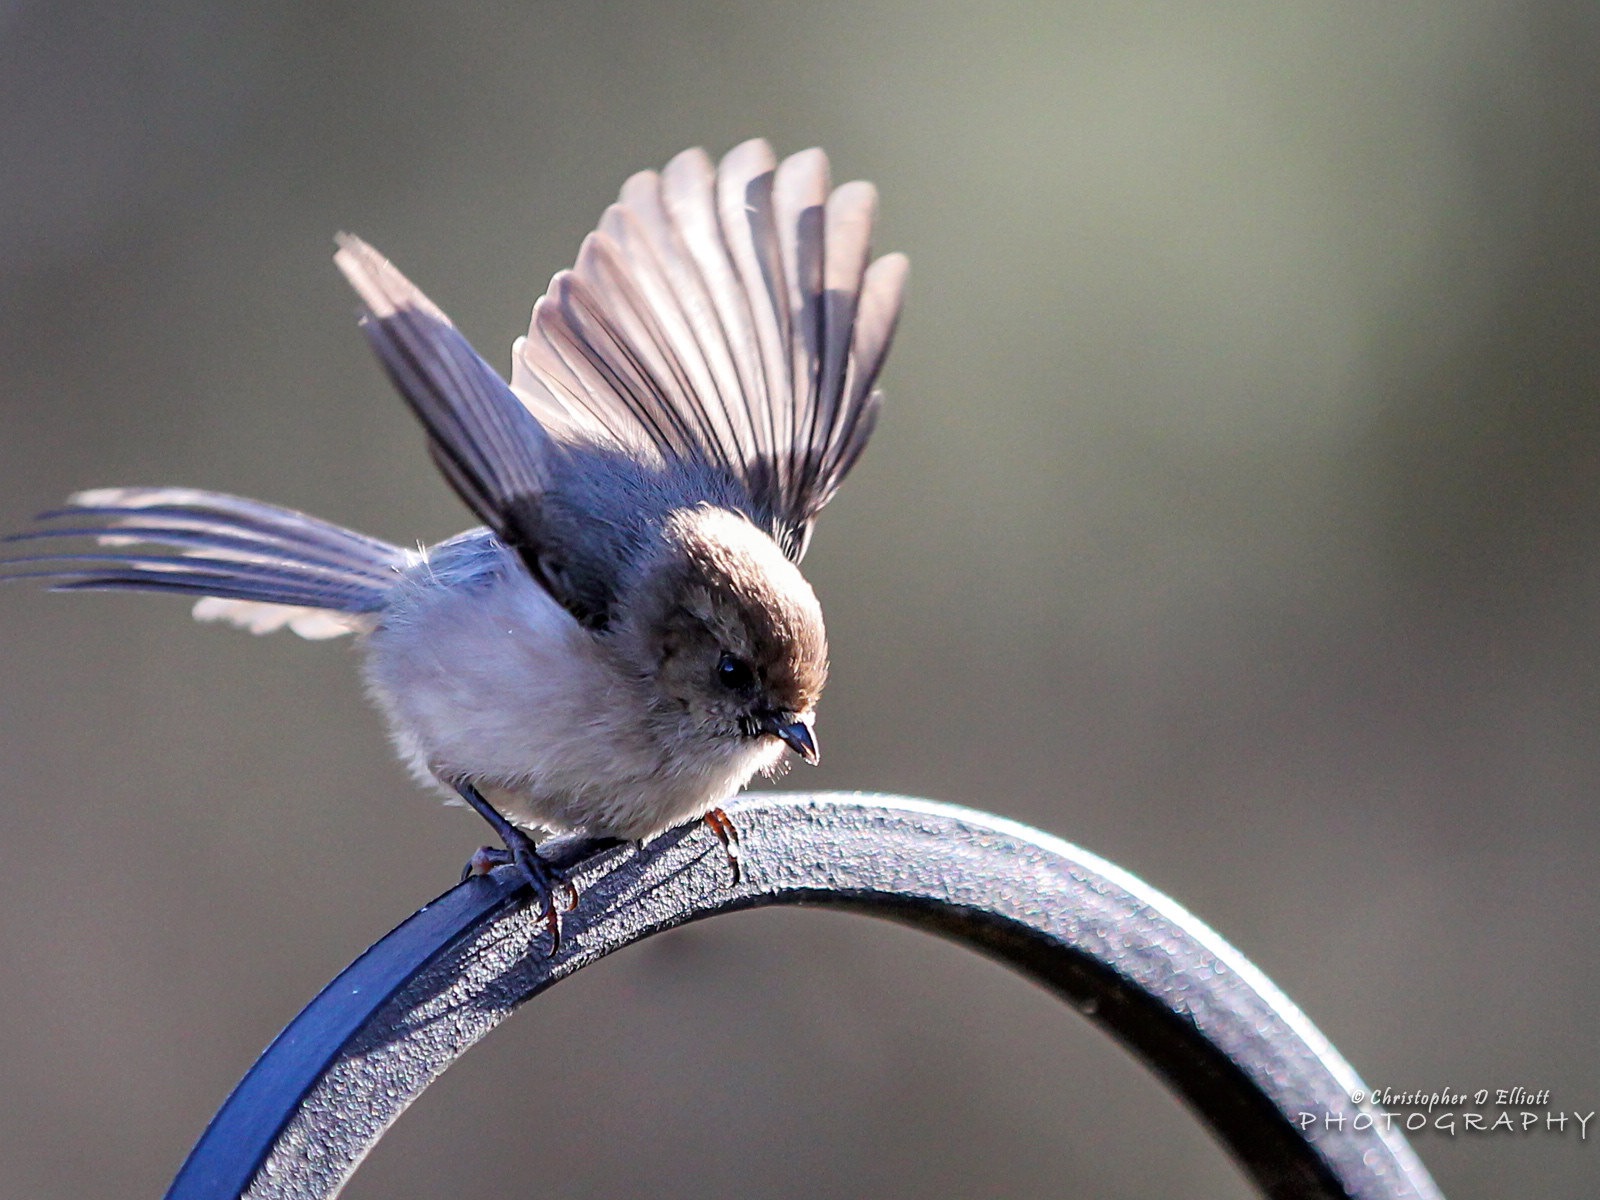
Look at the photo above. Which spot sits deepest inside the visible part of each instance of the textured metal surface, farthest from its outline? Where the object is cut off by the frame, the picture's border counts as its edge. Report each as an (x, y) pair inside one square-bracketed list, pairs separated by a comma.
[(1125, 956)]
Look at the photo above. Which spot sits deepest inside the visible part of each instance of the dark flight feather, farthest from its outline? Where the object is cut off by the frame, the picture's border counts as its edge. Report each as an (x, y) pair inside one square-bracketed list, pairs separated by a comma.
[(724, 317)]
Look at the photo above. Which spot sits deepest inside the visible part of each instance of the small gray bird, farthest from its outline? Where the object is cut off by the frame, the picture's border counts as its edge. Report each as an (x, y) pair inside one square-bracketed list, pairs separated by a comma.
[(629, 640)]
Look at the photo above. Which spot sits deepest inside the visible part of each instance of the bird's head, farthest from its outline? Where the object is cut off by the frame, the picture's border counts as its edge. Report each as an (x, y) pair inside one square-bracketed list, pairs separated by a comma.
[(728, 634)]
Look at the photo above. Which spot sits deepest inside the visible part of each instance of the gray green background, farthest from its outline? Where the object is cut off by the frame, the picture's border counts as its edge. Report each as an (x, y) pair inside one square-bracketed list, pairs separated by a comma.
[(1234, 514)]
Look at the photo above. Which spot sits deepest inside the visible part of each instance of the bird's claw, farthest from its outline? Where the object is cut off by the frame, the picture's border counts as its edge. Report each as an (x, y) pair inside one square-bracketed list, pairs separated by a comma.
[(721, 824), (545, 880), (485, 859)]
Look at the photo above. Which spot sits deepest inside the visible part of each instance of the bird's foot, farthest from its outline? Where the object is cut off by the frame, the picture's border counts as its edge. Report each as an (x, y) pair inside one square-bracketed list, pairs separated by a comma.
[(485, 859), (547, 882), (721, 824)]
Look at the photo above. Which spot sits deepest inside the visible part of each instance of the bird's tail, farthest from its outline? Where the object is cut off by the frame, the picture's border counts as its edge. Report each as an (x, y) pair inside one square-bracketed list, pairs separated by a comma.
[(255, 565)]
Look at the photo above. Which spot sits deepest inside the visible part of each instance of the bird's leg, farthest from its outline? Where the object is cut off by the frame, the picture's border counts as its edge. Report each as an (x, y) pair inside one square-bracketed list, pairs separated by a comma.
[(545, 880), (721, 824)]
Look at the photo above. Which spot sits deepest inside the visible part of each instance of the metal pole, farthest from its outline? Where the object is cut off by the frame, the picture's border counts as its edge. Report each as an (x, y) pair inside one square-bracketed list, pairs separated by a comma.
[(1131, 960)]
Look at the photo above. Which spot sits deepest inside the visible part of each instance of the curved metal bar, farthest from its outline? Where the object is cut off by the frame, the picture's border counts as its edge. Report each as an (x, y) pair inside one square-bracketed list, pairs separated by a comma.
[(1124, 955)]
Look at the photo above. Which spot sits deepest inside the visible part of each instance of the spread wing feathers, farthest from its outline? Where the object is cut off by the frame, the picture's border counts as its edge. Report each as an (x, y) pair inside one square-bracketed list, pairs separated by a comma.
[(491, 449), (727, 317), (254, 564)]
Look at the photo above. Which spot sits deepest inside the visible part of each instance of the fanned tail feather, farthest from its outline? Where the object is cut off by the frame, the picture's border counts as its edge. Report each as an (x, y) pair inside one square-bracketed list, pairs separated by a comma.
[(254, 565)]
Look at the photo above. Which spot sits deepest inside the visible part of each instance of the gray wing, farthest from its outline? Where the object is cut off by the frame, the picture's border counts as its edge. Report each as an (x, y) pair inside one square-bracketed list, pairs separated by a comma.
[(495, 454), (725, 318)]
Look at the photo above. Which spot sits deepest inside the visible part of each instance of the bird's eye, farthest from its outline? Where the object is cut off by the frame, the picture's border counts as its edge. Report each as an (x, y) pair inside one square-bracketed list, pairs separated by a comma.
[(734, 673)]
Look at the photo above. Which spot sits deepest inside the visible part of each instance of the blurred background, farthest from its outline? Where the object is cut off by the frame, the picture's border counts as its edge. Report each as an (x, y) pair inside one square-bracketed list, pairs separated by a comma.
[(1235, 513)]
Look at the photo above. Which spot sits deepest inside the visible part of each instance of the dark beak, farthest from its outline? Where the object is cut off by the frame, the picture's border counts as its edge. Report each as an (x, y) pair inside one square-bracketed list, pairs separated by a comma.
[(793, 733)]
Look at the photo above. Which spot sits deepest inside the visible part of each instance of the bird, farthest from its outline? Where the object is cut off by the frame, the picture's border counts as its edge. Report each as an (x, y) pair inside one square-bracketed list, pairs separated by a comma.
[(626, 640)]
